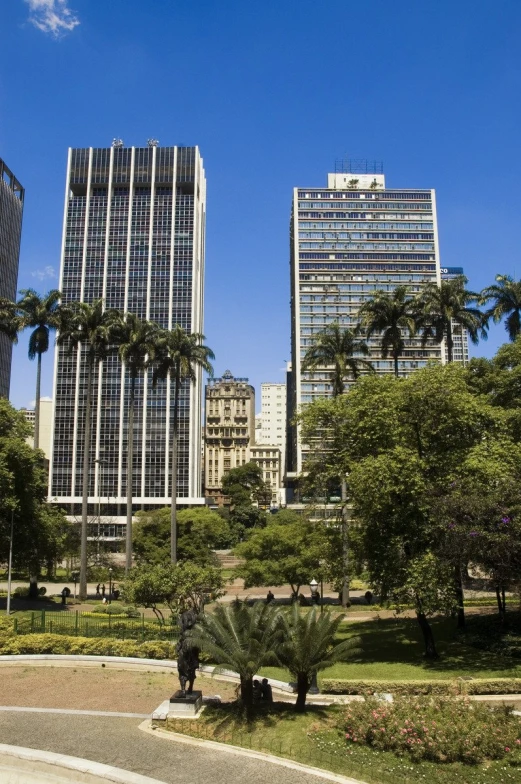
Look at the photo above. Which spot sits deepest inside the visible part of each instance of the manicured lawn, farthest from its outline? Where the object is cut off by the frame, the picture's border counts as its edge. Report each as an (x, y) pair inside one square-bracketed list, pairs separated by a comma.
[(312, 738), (392, 649)]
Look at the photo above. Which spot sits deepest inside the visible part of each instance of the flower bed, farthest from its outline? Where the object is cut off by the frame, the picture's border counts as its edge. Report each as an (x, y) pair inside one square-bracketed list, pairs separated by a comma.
[(437, 730)]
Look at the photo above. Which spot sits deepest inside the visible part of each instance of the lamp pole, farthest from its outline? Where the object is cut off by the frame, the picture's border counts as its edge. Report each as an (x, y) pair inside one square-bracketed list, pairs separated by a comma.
[(110, 584), (10, 564)]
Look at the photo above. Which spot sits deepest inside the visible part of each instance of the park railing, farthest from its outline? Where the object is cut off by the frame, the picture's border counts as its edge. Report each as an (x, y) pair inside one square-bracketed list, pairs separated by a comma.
[(85, 624)]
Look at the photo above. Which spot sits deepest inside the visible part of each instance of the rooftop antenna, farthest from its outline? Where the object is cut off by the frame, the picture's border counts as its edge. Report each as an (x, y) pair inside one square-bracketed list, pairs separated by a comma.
[(152, 142), (117, 143)]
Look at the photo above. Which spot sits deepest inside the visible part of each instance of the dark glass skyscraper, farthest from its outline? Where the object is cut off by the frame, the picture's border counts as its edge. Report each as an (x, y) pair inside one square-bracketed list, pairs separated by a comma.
[(11, 209), (134, 229)]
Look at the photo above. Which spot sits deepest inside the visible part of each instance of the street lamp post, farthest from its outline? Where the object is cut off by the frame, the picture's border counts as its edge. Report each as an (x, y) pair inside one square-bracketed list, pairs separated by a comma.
[(313, 689), (10, 565), (110, 584)]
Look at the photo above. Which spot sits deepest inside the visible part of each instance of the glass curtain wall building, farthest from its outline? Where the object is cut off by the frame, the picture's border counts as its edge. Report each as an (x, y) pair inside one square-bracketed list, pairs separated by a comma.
[(134, 235), (11, 209), (347, 241)]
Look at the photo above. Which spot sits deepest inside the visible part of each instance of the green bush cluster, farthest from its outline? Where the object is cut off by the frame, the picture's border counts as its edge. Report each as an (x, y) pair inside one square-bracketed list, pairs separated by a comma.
[(440, 688), (437, 730), (62, 644), (116, 608)]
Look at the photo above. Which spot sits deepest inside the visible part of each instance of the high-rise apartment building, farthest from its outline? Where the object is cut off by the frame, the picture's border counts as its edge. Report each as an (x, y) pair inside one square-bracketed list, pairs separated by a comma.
[(273, 416), (11, 209), (349, 240), (45, 425), (229, 429), (460, 336), (134, 235)]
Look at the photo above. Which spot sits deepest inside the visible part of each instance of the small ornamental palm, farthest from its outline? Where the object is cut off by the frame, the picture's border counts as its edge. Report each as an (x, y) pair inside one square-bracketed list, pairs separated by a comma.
[(334, 348), (180, 357), (239, 638), (392, 315), (447, 304), (506, 293), (137, 341), (308, 646), (9, 319)]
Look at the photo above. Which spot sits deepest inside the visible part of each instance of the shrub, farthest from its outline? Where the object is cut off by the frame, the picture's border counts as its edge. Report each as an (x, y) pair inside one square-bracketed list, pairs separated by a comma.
[(98, 646), (21, 592), (6, 626), (116, 608), (435, 687), (42, 590), (437, 730)]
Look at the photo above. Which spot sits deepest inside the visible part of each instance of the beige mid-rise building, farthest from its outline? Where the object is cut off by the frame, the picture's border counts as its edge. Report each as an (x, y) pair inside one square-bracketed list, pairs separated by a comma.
[(229, 429), (45, 427), (268, 458)]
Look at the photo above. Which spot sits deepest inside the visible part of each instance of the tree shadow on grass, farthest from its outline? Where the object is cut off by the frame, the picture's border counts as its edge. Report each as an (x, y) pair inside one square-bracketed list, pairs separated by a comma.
[(399, 640), (230, 718)]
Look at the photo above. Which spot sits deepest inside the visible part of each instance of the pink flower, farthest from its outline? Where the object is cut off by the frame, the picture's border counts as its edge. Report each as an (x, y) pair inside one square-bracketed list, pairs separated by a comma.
[(507, 748), (518, 742)]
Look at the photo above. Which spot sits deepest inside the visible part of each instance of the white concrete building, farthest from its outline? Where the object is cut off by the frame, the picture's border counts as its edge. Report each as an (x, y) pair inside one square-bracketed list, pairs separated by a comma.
[(45, 425)]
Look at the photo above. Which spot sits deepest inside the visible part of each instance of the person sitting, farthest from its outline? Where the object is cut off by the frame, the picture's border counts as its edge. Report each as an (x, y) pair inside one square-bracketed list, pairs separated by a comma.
[(266, 693), (257, 691)]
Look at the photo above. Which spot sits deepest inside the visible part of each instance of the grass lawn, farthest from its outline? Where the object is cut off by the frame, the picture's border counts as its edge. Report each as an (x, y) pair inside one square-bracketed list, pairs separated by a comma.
[(392, 649), (313, 739)]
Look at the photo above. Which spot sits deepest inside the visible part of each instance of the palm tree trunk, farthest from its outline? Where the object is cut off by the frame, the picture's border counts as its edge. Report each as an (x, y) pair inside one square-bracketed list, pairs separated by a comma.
[(85, 482), (130, 461), (302, 690), (247, 692), (37, 402), (450, 341), (396, 371), (175, 429)]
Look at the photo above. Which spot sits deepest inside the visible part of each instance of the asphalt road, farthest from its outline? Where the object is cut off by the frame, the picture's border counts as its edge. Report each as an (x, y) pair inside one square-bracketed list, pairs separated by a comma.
[(119, 742)]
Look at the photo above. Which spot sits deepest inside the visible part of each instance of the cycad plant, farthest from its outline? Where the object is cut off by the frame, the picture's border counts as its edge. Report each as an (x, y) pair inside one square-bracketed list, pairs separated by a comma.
[(335, 349), (178, 357), (308, 646), (440, 307), (90, 327), (42, 315), (393, 315), (506, 296), (241, 638), (137, 342)]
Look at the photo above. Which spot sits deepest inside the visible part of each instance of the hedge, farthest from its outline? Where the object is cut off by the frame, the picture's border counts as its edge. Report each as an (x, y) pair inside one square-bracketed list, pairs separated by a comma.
[(439, 688), (62, 644)]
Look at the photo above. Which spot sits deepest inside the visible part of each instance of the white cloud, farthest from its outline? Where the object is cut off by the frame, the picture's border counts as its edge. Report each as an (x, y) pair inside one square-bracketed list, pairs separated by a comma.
[(52, 16), (45, 272)]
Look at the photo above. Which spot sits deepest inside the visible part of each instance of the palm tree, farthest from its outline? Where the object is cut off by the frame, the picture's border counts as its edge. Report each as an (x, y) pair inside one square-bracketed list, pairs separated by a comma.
[(445, 305), (334, 346), (239, 638), (308, 646), (392, 315), (178, 356), (91, 328), (9, 319), (43, 314), (506, 293), (137, 342)]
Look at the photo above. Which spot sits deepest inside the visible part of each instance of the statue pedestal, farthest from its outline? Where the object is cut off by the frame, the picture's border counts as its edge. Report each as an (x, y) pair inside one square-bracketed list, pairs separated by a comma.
[(186, 705)]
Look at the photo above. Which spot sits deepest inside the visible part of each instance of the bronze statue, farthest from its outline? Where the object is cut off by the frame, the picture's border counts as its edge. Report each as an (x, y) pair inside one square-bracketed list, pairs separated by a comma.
[(187, 655)]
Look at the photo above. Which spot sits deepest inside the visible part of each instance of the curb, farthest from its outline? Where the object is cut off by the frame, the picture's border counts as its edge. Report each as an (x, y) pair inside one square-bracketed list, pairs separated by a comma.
[(238, 751), (21, 758)]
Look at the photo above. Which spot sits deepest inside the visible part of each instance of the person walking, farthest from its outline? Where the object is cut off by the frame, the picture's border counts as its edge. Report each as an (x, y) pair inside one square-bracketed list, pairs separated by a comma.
[(103, 589), (97, 591)]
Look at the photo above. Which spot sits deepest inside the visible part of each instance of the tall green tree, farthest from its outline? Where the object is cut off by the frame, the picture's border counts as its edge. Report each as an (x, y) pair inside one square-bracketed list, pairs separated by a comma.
[(393, 316), (506, 297), (445, 305), (89, 330), (9, 319), (340, 352), (308, 645), (239, 638), (42, 315), (179, 358), (137, 342)]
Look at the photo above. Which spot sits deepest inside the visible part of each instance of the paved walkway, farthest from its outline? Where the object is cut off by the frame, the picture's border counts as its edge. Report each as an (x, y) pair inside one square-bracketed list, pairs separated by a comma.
[(119, 742)]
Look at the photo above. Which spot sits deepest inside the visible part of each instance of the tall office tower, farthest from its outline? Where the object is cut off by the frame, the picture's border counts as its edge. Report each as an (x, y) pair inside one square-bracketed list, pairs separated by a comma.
[(229, 429), (273, 417), (460, 336), (133, 234), (349, 240), (11, 209)]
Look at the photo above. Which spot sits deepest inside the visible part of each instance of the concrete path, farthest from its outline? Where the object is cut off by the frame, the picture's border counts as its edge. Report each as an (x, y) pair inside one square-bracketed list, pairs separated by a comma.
[(119, 742)]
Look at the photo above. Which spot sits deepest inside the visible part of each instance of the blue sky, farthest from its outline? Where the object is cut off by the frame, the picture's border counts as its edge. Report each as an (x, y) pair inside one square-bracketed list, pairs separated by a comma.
[(272, 92)]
